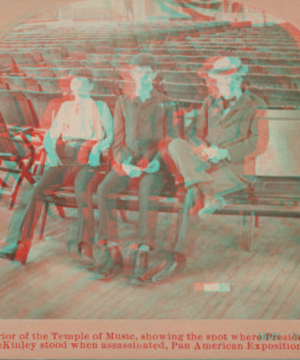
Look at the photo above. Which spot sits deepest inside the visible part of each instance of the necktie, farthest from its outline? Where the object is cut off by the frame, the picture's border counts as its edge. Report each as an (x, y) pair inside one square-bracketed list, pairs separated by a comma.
[(227, 102)]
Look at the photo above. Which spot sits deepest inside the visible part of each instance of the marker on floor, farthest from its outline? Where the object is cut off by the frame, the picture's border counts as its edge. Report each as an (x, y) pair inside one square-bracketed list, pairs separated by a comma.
[(212, 287)]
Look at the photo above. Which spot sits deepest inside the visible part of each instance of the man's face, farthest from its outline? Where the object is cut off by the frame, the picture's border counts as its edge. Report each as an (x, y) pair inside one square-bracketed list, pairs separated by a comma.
[(213, 88), (80, 86), (227, 85), (143, 77)]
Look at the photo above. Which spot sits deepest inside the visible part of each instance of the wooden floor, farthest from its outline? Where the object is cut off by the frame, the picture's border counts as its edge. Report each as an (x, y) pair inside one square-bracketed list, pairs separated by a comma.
[(264, 283)]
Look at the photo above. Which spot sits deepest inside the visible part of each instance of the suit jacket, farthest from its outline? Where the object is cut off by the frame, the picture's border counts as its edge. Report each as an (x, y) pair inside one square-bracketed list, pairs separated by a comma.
[(234, 129), (138, 127)]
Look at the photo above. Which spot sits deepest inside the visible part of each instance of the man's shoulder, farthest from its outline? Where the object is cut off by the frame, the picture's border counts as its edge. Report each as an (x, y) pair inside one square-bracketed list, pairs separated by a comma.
[(255, 100), (208, 101), (124, 100), (99, 103), (89, 100), (66, 103), (155, 97)]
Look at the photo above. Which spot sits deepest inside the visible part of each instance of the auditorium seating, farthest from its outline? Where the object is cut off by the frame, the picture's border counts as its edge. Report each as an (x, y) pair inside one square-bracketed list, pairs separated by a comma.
[(32, 65), (16, 158), (16, 109)]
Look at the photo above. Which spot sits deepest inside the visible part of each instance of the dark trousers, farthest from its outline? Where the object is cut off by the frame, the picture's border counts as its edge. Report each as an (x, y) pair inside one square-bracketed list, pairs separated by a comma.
[(149, 184), (27, 214)]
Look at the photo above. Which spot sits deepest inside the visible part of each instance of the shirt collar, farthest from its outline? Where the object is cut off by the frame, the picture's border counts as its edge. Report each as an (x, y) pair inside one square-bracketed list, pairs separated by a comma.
[(219, 100), (153, 95)]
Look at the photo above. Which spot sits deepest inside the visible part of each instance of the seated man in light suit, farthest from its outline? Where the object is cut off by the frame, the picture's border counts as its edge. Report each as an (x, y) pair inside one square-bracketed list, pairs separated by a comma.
[(74, 142), (211, 159)]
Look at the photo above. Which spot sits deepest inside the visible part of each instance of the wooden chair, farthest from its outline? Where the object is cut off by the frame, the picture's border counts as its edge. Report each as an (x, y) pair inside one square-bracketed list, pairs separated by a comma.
[(16, 157)]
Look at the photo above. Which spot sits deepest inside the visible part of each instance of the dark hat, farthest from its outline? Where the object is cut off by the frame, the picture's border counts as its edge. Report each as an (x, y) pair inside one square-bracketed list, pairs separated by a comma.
[(82, 72)]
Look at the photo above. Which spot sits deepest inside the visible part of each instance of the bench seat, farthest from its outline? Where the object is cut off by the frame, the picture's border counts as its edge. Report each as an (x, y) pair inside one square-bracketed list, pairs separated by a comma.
[(267, 196)]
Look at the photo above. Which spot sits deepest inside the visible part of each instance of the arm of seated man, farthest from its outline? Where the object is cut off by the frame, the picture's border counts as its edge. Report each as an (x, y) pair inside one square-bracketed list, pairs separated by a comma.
[(215, 154), (53, 134)]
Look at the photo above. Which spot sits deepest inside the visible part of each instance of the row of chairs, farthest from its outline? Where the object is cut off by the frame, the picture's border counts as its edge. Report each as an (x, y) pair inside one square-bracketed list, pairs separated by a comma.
[(37, 109), (33, 109), (166, 80), (181, 28), (111, 39), (62, 51), (262, 35), (164, 62), (93, 47), (49, 47)]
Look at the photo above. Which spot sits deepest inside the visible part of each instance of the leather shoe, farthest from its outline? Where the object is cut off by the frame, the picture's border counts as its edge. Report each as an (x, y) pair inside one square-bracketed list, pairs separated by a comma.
[(138, 260), (85, 251), (167, 265), (14, 252), (112, 264)]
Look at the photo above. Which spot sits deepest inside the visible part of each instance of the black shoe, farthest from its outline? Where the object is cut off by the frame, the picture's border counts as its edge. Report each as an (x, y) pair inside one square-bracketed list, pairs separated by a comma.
[(8, 252), (85, 250), (164, 270), (72, 247), (130, 261), (139, 259), (15, 252), (112, 266), (101, 256)]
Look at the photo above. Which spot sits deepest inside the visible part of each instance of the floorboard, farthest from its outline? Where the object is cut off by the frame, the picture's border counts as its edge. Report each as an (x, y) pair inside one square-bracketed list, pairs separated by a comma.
[(263, 284)]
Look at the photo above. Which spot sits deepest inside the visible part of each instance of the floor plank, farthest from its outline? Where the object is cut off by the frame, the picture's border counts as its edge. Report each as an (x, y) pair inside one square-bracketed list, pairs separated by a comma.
[(264, 284)]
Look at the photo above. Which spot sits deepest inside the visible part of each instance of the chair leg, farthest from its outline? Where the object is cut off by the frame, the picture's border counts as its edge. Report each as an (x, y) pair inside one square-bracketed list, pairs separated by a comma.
[(123, 215), (15, 191), (112, 214), (248, 223), (256, 221), (44, 218), (3, 183)]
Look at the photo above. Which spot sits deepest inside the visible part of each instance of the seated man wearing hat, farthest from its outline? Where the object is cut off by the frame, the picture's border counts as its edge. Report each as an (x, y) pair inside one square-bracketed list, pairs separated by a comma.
[(74, 142), (139, 126), (211, 158)]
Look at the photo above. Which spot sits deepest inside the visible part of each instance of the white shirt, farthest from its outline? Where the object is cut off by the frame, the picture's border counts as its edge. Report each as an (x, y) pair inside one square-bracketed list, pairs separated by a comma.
[(77, 120), (81, 120)]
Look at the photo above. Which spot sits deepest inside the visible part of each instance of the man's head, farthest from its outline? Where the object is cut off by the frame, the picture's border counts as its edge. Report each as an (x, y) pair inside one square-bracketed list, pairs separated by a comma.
[(141, 71), (81, 82), (223, 75)]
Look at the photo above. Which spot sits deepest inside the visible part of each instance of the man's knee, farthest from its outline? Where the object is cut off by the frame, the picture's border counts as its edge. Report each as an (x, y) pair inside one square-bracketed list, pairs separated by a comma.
[(80, 187), (164, 144), (176, 146), (151, 185), (38, 190), (104, 188), (101, 190)]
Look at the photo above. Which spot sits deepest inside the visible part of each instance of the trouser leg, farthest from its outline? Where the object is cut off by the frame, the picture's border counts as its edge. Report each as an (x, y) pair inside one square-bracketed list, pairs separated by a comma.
[(164, 152), (214, 180), (150, 184), (191, 168), (84, 192), (111, 183), (27, 212), (50, 177)]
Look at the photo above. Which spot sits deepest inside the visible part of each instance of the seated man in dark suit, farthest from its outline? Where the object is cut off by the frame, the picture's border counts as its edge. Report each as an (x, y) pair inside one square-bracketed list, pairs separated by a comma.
[(139, 126)]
